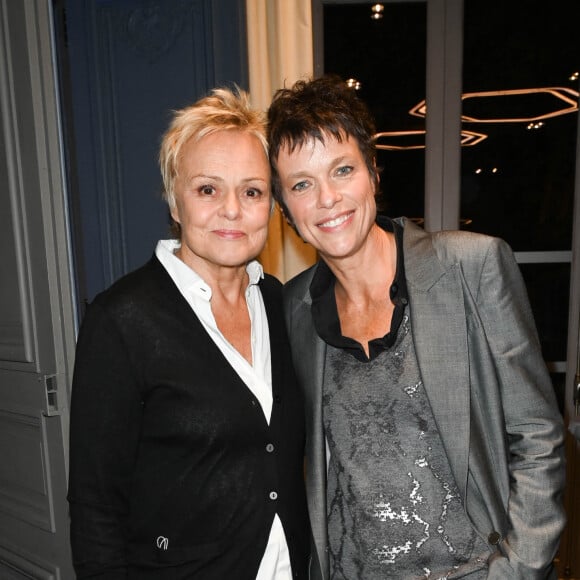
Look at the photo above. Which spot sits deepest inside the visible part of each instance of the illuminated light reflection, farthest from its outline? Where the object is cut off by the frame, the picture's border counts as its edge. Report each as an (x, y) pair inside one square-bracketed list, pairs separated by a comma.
[(377, 11), (538, 125), (353, 84)]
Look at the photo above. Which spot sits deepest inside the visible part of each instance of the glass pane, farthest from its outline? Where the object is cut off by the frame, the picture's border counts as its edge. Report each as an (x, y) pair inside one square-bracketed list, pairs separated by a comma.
[(548, 289), (559, 384), (387, 57), (518, 183)]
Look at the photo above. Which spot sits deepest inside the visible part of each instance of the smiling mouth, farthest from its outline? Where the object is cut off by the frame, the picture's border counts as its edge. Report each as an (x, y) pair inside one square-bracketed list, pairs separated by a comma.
[(336, 221), (229, 234)]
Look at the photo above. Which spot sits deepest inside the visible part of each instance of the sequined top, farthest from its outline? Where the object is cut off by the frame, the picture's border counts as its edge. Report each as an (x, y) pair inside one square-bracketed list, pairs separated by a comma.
[(394, 510)]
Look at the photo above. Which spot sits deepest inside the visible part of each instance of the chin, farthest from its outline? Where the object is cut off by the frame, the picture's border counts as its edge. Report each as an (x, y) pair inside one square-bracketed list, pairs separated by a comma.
[(235, 261)]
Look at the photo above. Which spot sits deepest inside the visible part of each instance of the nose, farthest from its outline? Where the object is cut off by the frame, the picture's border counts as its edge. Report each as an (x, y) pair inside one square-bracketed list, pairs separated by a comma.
[(231, 206), (328, 195)]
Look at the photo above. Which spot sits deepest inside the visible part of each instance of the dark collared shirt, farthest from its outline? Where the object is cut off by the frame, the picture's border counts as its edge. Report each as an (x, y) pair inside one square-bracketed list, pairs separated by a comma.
[(325, 312)]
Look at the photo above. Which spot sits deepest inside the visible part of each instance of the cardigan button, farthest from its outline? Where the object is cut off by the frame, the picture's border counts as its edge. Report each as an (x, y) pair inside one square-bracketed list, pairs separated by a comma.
[(273, 495), (269, 448), (494, 538)]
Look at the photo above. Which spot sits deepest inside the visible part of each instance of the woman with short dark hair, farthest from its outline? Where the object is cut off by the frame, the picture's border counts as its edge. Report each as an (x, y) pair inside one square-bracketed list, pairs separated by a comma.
[(434, 443)]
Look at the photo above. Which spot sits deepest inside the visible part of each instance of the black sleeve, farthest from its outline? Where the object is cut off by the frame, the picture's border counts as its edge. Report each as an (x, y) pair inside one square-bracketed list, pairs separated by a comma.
[(104, 434)]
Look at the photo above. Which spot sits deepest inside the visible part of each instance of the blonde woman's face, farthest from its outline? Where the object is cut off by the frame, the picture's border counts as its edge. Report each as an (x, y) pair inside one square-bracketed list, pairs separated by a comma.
[(222, 200)]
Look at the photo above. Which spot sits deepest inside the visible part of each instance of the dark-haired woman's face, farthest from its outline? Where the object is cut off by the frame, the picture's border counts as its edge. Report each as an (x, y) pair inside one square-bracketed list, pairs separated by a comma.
[(330, 195)]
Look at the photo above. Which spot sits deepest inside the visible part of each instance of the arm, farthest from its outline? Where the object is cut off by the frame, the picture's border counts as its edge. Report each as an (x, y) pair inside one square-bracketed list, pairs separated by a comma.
[(105, 425), (534, 428)]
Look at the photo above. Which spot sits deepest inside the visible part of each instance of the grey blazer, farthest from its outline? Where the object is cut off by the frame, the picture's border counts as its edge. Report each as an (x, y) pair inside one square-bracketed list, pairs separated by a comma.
[(491, 395)]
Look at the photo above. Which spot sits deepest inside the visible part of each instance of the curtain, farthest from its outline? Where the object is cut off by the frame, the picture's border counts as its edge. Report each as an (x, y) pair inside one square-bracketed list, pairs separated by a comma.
[(280, 53)]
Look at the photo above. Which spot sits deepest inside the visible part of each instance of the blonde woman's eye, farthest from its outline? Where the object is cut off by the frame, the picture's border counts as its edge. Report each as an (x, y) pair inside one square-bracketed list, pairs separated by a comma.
[(206, 190), (254, 193)]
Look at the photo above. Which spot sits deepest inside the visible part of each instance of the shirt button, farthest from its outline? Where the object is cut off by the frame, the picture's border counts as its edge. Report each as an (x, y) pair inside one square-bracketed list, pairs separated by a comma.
[(273, 495), (494, 538), (269, 448)]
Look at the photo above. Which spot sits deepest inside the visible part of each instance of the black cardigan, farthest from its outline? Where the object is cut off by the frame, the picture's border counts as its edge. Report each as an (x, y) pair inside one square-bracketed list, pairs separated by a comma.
[(172, 470)]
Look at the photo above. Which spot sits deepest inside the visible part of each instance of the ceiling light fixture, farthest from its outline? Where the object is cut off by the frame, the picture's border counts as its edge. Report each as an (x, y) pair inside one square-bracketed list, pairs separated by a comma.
[(377, 11), (568, 96), (468, 139)]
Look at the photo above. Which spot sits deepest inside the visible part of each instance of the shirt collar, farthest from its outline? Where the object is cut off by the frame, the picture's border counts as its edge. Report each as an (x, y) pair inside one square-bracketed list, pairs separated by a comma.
[(325, 313), (255, 272), (188, 279)]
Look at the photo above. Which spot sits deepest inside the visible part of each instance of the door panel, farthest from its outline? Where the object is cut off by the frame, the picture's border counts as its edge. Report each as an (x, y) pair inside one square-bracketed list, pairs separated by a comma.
[(24, 474), (36, 312)]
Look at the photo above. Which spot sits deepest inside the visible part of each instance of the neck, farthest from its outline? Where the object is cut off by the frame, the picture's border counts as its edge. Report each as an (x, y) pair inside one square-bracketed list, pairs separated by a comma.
[(371, 270)]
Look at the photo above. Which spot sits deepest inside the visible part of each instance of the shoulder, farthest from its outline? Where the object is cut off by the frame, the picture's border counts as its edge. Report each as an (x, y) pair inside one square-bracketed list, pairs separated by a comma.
[(142, 288), (451, 247), (270, 283), (429, 256), (460, 246), (299, 286), (271, 290)]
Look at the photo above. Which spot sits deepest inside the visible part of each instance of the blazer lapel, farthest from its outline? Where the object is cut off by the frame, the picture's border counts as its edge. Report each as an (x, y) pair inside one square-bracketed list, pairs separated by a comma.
[(439, 327), (309, 354)]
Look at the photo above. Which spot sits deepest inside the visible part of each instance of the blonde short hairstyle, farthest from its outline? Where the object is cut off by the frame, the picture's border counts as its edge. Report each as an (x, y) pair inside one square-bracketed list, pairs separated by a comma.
[(222, 110)]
